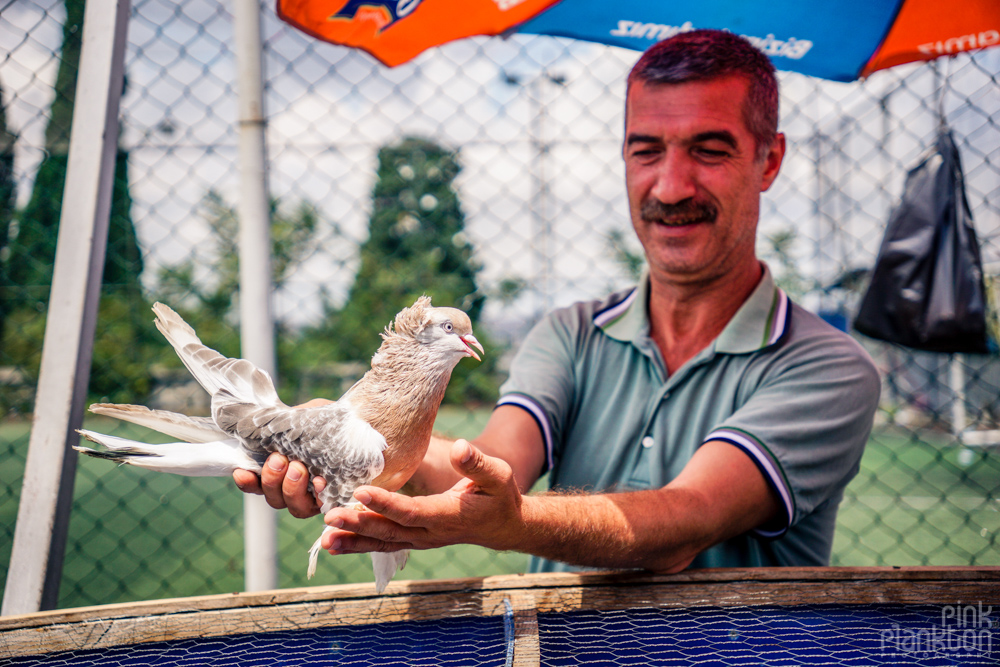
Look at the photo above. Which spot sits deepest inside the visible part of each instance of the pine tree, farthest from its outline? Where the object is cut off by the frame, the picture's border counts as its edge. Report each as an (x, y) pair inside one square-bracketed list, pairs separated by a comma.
[(33, 250), (416, 245), (118, 366), (8, 192)]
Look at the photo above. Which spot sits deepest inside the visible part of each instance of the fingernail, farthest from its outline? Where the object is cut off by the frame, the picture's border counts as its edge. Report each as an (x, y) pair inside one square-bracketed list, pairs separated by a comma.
[(275, 464), (336, 545), (294, 473), (363, 497), (468, 453)]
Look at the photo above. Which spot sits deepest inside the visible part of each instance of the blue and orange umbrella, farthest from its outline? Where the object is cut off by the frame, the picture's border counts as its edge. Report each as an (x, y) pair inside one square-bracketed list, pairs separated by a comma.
[(833, 39)]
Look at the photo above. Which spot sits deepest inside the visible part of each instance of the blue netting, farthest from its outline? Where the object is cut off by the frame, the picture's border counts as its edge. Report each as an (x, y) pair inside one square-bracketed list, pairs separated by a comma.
[(858, 636), (452, 643), (806, 635)]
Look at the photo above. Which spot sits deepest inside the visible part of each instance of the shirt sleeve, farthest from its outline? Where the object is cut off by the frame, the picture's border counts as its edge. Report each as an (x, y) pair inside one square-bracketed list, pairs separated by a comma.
[(807, 421), (541, 378)]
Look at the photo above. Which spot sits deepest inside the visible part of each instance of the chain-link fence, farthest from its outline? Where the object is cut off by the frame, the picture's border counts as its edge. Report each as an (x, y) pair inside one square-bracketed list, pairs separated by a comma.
[(487, 173)]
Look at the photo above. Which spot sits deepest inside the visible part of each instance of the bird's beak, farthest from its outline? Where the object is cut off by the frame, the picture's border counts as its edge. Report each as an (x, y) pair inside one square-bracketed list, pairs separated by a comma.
[(470, 342)]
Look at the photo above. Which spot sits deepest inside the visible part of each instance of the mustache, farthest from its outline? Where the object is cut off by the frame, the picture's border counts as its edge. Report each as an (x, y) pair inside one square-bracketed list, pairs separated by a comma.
[(689, 210)]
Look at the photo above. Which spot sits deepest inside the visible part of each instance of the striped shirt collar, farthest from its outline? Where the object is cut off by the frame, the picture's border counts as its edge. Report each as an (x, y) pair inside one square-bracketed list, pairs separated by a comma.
[(760, 322)]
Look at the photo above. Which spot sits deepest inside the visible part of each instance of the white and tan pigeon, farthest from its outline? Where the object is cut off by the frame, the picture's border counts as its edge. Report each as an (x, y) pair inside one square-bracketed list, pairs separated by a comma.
[(377, 433)]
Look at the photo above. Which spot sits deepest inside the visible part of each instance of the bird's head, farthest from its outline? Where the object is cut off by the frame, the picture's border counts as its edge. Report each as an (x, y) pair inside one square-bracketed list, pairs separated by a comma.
[(447, 331)]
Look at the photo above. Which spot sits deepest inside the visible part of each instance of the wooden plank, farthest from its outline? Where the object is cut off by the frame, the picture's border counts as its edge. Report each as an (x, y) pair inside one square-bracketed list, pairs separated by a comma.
[(332, 606), (506, 582), (47, 490), (527, 649)]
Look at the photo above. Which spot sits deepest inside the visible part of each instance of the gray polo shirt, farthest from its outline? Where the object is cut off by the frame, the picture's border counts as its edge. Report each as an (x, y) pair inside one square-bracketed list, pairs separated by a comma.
[(793, 393)]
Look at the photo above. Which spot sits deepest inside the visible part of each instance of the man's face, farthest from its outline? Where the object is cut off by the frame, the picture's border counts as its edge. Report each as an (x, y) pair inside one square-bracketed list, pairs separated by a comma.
[(692, 177)]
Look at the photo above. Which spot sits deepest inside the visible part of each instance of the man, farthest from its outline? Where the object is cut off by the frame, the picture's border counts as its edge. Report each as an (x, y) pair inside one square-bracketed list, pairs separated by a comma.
[(700, 419)]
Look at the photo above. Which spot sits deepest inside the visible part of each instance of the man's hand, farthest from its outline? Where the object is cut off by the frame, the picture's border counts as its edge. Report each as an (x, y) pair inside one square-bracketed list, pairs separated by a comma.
[(483, 508), (284, 484)]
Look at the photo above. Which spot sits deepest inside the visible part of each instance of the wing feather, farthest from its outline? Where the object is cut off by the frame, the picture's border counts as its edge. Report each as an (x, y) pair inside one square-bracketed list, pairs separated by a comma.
[(331, 440), (213, 371)]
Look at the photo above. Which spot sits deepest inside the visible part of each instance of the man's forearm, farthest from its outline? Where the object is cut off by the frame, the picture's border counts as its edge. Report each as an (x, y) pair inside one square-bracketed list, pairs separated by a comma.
[(720, 494), (650, 530)]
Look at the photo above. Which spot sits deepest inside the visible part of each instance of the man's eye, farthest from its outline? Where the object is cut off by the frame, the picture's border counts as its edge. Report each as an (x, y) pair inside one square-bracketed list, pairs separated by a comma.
[(710, 152), (644, 153)]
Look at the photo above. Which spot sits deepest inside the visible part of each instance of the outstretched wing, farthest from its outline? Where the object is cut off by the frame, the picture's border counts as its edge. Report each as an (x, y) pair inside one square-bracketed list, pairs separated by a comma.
[(213, 371), (331, 440)]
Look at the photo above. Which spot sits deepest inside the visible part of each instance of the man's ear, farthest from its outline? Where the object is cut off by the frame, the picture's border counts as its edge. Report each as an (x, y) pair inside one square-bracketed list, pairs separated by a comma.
[(772, 161)]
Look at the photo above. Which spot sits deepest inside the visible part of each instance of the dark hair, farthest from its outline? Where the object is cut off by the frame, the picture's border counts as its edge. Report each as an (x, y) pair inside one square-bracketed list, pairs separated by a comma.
[(707, 54)]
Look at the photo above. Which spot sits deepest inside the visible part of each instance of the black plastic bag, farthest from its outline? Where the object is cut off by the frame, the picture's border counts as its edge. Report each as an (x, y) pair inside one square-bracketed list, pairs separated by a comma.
[(926, 290)]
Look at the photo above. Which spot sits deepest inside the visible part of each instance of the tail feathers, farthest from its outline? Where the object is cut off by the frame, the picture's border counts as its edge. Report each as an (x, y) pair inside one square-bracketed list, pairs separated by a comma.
[(212, 370), (205, 459), (189, 429), (314, 553), (120, 457), (386, 565)]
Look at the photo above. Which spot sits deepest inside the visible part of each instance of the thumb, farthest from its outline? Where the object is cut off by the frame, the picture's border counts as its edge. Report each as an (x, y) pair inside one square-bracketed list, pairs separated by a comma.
[(489, 473)]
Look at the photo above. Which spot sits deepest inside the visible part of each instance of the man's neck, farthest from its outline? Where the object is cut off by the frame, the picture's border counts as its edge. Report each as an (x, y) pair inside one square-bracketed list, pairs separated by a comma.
[(685, 317)]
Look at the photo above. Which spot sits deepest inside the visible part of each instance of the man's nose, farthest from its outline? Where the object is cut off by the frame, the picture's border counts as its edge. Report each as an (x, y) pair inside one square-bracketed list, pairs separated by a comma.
[(675, 179)]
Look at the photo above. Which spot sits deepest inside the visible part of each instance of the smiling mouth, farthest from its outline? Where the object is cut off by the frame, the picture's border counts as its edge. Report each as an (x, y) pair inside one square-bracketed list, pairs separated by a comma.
[(678, 222), (685, 213)]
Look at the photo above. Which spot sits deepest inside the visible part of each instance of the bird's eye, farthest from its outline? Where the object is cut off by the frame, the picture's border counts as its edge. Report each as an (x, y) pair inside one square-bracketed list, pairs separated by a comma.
[(447, 327)]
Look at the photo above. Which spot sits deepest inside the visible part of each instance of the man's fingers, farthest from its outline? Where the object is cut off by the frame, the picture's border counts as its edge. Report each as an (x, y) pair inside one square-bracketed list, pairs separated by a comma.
[(490, 474), (365, 531), (283, 484), (272, 476), (352, 543), (248, 482), (295, 491), (395, 507)]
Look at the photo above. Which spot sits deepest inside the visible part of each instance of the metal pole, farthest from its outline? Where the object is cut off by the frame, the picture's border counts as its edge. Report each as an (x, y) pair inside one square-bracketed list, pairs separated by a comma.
[(956, 380), (47, 491), (260, 537)]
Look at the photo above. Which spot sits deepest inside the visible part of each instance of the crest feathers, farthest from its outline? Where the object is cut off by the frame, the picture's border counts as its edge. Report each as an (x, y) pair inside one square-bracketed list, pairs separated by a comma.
[(410, 320)]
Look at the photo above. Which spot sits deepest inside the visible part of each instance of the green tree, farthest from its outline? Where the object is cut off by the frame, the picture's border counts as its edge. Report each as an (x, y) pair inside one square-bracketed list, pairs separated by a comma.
[(416, 245), (292, 236), (28, 261), (206, 298), (8, 191), (33, 250)]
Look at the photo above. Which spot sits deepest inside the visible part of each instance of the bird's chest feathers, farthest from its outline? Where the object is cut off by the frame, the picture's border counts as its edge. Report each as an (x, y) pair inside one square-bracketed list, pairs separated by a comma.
[(403, 410), (407, 434)]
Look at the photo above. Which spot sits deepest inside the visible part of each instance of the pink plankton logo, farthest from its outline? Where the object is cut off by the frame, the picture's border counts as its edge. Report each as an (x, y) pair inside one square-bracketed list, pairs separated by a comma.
[(964, 631)]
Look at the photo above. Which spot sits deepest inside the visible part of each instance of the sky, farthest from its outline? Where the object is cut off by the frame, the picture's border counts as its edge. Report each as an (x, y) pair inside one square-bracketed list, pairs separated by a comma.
[(537, 125)]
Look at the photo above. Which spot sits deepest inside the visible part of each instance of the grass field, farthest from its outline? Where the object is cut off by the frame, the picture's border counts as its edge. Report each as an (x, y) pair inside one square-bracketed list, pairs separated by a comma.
[(136, 535)]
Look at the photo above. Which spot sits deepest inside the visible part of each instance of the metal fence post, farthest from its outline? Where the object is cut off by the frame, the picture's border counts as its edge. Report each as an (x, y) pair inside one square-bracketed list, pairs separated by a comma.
[(260, 537)]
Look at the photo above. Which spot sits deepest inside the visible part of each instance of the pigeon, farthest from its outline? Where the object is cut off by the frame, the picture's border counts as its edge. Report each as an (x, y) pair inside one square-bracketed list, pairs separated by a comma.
[(377, 433)]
